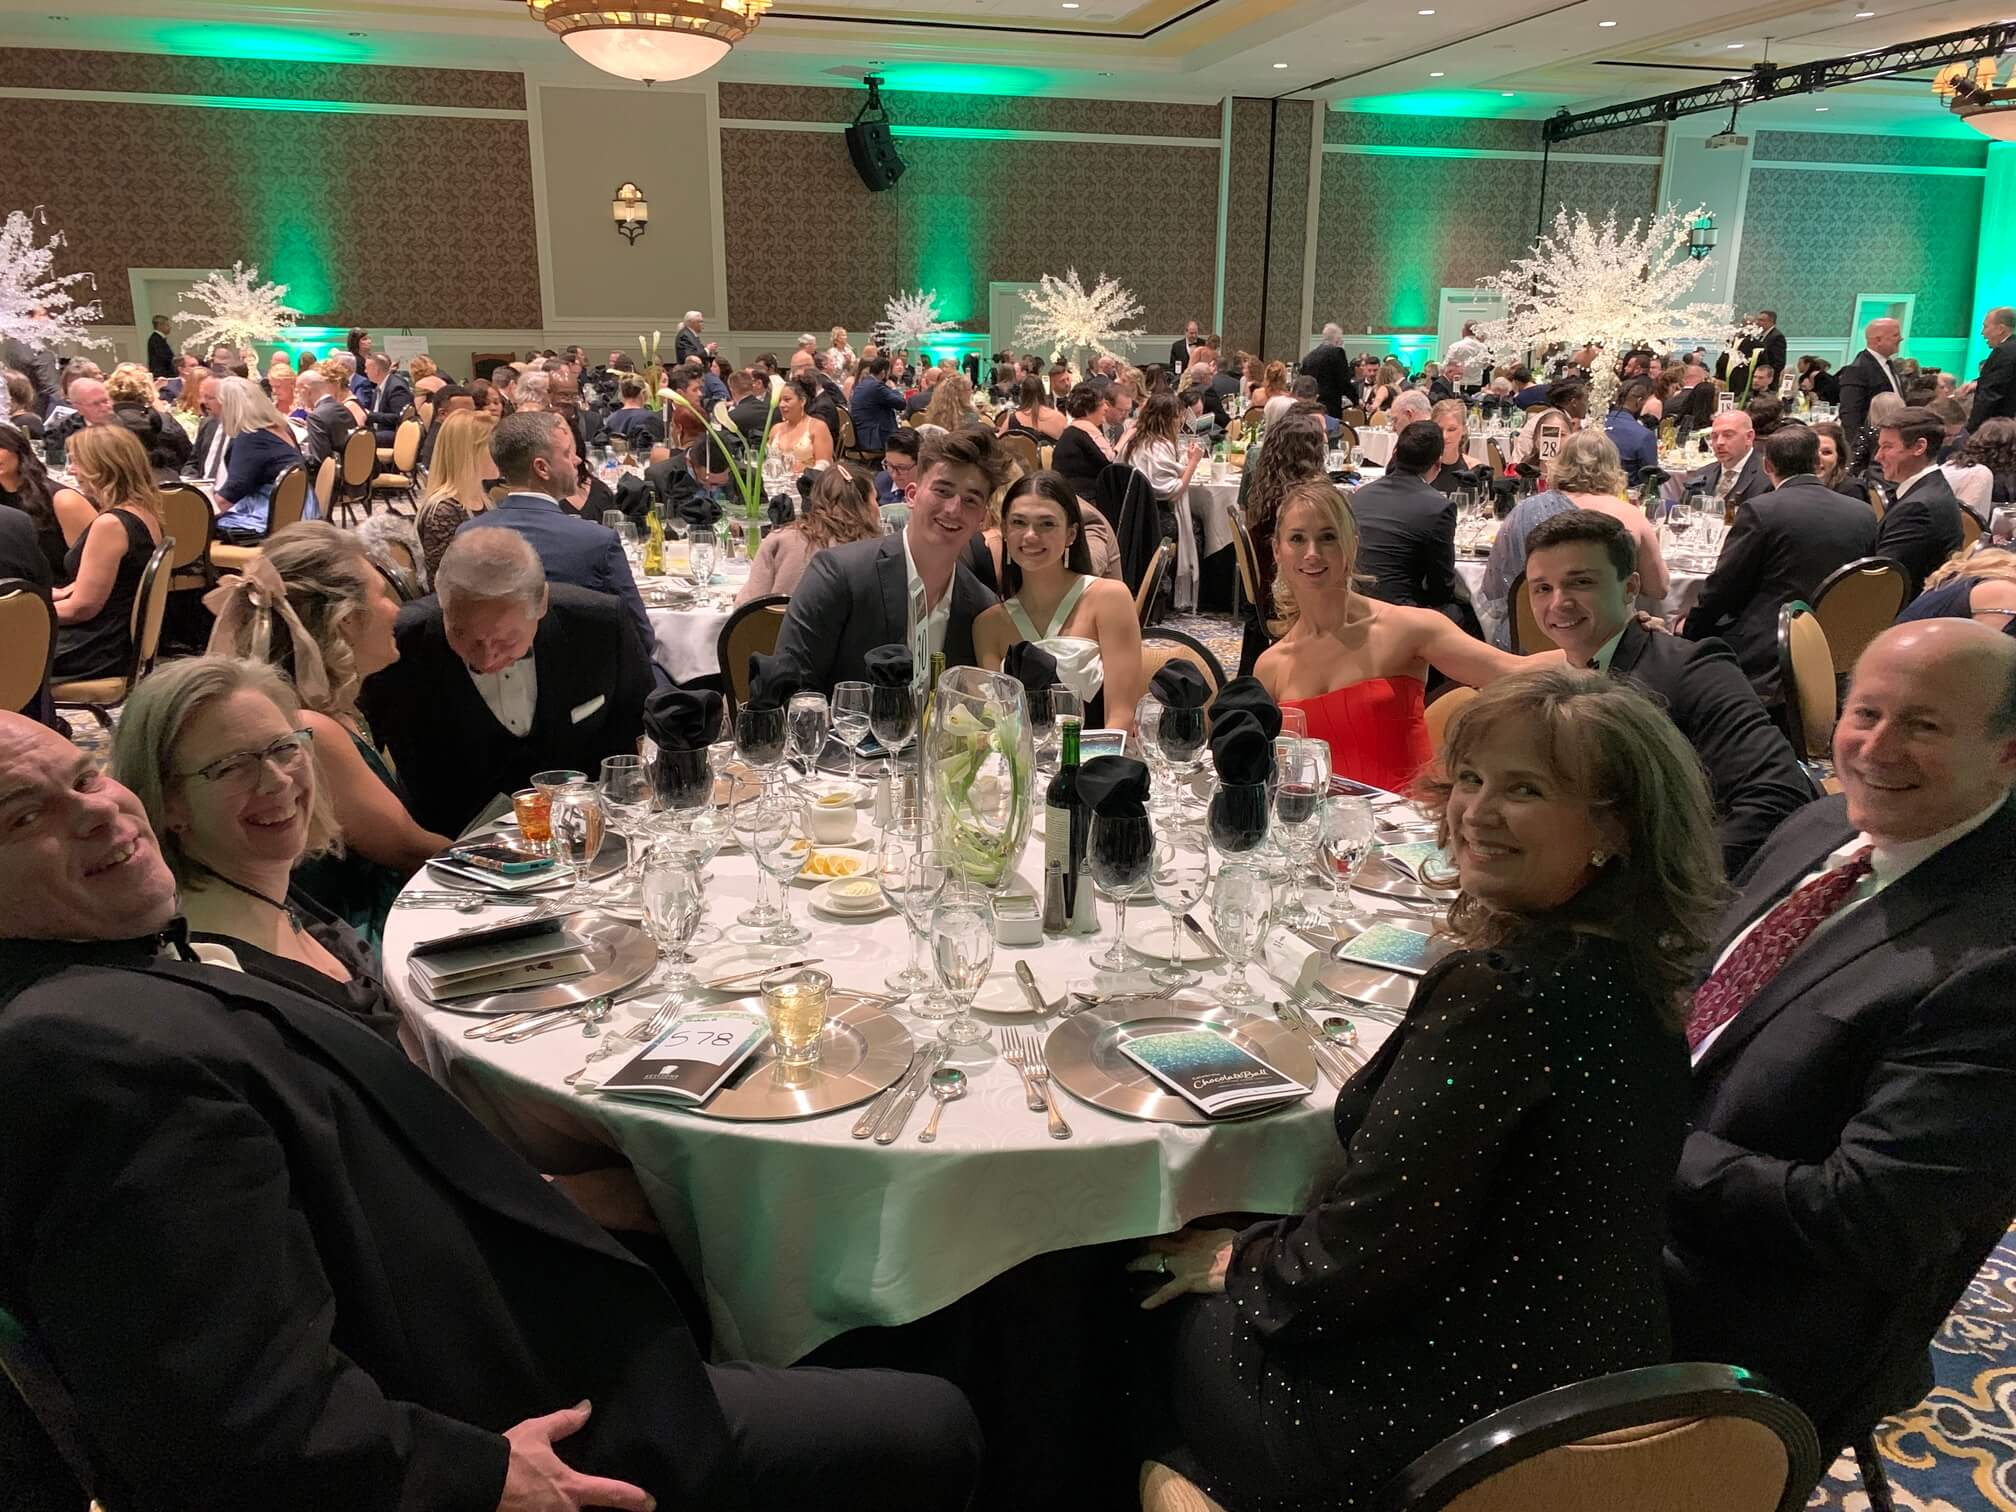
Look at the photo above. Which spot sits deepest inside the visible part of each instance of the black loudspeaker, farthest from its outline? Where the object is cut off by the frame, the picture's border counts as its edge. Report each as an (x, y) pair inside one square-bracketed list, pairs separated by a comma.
[(873, 149)]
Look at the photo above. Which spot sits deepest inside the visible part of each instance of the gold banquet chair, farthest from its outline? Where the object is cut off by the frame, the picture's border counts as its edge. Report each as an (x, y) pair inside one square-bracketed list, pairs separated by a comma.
[(27, 641), (100, 694), (1160, 646), (1024, 452), (752, 628), (1855, 603), (405, 457), (289, 502), (1806, 680)]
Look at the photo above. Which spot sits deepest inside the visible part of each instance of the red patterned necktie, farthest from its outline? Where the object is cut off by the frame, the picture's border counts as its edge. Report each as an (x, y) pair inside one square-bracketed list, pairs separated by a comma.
[(1734, 985)]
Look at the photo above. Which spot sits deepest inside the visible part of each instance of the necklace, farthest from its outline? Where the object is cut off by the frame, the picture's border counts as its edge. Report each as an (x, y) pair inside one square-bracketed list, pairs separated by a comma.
[(279, 904)]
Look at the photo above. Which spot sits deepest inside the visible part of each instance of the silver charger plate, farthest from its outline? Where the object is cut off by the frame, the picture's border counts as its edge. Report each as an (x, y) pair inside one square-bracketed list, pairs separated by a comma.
[(1368, 984), (612, 857), (1085, 1059), (863, 1050), (1382, 877), (620, 955)]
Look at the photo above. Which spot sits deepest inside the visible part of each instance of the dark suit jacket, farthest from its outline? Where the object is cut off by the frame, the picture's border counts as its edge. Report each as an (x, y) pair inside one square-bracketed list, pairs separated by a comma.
[(689, 345), (1995, 388), (1179, 354), (1770, 348), (1750, 479), (746, 415), (1849, 1163), (329, 427), (1862, 380), (1695, 406), (856, 597), (395, 394), (1407, 540), (452, 754), (160, 356), (876, 407), (1922, 528), (1330, 366), (287, 1268), (1753, 775), (199, 450), (21, 556), (38, 366), (1782, 546), (585, 553)]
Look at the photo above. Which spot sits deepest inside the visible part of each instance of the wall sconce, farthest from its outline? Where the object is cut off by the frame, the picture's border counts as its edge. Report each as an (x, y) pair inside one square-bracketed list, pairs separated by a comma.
[(1701, 238), (632, 212)]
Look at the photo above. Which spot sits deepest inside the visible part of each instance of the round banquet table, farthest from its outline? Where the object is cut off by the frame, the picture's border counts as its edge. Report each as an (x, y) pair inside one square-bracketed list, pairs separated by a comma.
[(796, 1232), (1375, 445), (688, 636)]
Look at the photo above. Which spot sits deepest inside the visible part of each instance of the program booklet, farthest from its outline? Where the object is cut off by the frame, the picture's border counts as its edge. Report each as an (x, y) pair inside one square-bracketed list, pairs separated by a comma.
[(452, 960), (1207, 1070), (691, 1060)]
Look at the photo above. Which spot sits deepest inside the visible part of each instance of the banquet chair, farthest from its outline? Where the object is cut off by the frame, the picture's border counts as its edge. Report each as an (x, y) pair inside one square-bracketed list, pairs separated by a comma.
[(1046, 452), (1527, 636), (405, 455), (289, 503), (1347, 438), (1856, 602), (1970, 531), (1022, 451), (1151, 583), (186, 515), (1441, 711), (1258, 630), (1161, 645), (1806, 677), (353, 478), (1664, 1438), (27, 641), (752, 628), (99, 695), (1353, 415), (1495, 455)]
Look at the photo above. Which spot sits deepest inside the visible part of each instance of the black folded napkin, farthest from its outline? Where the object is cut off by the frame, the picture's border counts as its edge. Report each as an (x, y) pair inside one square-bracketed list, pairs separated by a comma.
[(780, 512), (889, 667), (683, 719), (1246, 695), (1030, 665), (1114, 787), (1179, 685), (1241, 748), (700, 511), (772, 681)]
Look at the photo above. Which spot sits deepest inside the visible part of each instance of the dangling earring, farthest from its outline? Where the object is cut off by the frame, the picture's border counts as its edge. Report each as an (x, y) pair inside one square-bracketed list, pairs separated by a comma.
[(1599, 857)]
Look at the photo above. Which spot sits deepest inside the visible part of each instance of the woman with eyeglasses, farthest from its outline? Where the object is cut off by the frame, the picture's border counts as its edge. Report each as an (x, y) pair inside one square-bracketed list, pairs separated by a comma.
[(218, 753)]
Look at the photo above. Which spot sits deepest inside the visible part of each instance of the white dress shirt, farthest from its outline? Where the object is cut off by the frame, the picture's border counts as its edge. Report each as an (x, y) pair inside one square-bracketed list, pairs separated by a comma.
[(511, 694), (1913, 481), (1601, 660), (924, 632)]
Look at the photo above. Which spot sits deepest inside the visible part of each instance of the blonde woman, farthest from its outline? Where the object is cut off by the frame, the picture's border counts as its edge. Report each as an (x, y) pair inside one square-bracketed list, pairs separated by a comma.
[(839, 355), (951, 404), (259, 446), (1981, 587), (137, 405), (461, 466), (94, 610)]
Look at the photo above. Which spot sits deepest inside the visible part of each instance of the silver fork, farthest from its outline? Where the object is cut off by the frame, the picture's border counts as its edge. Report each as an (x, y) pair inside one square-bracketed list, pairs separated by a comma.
[(1039, 1073), (1017, 1055), (636, 1034)]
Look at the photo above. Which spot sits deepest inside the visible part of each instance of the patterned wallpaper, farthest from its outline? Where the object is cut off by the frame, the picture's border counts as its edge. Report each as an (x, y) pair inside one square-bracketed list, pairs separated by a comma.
[(1854, 147), (1378, 130), (1291, 227), (773, 102), (154, 73), (349, 210), (1245, 229), (1884, 233)]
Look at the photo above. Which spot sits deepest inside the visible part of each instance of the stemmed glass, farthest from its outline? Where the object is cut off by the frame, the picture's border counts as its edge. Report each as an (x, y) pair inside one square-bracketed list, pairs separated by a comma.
[(852, 702), (627, 795), (1121, 857), (675, 897), (914, 881), (744, 816), (760, 735), (1240, 899), (1302, 768), (1180, 876), (1347, 838), (806, 717), (1179, 734), (684, 780), (703, 549), (892, 718), (1046, 707), (577, 821), (774, 834), (962, 950)]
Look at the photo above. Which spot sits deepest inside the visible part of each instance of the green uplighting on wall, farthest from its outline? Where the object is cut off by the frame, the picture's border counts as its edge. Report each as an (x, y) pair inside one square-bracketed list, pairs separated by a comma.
[(262, 43), (960, 79), (1472, 103)]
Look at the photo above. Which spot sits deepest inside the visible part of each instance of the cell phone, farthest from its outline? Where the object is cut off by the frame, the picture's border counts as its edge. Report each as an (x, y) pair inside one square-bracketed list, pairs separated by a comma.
[(505, 860)]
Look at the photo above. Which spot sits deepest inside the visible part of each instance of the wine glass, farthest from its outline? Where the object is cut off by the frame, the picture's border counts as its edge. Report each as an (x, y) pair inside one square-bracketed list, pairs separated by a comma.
[(683, 779), (674, 896), (851, 704), (1346, 836), (1237, 817), (1046, 707), (776, 838), (1302, 773), (1240, 899), (962, 951), (760, 735), (627, 794), (892, 717), (703, 550), (1120, 854), (1179, 733), (576, 821), (914, 881), (1295, 723), (806, 717), (762, 914), (1180, 876)]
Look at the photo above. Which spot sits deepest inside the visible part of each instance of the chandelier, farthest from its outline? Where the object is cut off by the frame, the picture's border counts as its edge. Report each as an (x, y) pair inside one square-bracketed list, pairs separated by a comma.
[(1970, 92), (656, 41)]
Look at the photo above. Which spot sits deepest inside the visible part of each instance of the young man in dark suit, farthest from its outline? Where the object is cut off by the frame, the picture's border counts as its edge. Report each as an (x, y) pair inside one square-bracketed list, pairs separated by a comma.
[(1582, 581), (1995, 388), (1921, 528), (1782, 546), (1407, 527), (1855, 1051)]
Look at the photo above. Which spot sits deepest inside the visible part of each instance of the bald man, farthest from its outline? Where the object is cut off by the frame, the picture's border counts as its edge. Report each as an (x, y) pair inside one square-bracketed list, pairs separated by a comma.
[(1995, 389), (1868, 375), (1854, 1044)]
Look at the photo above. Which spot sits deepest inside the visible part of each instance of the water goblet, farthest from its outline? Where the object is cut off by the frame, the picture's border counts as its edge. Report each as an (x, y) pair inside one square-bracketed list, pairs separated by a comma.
[(743, 816), (1347, 840), (914, 881), (852, 702), (760, 736), (1180, 876), (627, 796), (683, 779), (1241, 897), (674, 894), (1120, 854), (962, 952), (577, 821), (703, 550), (776, 838), (806, 717)]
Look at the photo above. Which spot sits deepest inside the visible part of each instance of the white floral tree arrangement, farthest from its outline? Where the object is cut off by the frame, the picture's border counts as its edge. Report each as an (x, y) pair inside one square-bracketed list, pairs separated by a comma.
[(37, 308), (1589, 284), (234, 309), (909, 321), (1070, 321)]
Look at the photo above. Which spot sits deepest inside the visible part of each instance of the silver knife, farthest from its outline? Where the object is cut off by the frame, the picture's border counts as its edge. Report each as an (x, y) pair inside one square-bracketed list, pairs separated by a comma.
[(496, 1029), (891, 1128), (1029, 989), (1190, 923), (570, 1016), (867, 1123)]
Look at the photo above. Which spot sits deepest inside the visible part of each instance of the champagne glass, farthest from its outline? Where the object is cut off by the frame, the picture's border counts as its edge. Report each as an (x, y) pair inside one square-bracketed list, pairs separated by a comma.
[(915, 882), (675, 898), (851, 704), (1120, 853), (1240, 899), (775, 833), (962, 951), (577, 820), (1180, 875), (760, 735), (1346, 835), (1303, 781), (743, 816), (806, 717), (892, 717), (627, 796)]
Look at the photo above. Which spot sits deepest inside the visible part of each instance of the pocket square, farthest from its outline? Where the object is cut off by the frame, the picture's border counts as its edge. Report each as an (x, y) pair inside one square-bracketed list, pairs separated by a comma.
[(581, 711)]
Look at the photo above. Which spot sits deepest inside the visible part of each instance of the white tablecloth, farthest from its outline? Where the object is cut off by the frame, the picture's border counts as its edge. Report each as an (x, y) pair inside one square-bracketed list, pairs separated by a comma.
[(1376, 446), (797, 1232), (689, 639)]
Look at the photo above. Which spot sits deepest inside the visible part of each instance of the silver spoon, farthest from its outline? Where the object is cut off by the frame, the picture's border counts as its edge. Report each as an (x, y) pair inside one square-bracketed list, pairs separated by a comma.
[(948, 1084), (1342, 1033)]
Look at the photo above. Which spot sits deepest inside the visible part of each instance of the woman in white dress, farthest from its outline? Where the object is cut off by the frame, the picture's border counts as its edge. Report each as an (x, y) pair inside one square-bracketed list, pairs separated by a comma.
[(1051, 598), (800, 435)]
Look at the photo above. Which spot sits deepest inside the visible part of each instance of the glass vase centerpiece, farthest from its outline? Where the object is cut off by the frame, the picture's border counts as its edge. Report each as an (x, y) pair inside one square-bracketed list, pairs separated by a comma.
[(979, 759)]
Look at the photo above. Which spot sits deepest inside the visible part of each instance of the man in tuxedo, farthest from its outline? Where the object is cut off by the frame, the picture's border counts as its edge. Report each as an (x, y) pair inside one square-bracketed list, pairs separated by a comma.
[(1331, 369), (326, 418), (288, 1269), (1868, 375), (1582, 581), (1737, 473), (394, 396), (1406, 528), (1854, 1051), (1764, 350), (1180, 349), (1782, 546), (536, 456), (160, 350), (1995, 388), (500, 675), (1921, 528), (688, 345), (206, 455), (906, 589)]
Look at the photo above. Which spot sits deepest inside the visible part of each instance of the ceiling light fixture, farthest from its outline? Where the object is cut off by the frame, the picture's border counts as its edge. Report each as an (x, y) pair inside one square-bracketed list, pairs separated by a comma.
[(650, 40), (1734, 45), (1606, 23), (1821, 109), (1971, 92), (1436, 74), (1280, 65), (1424, 13), (1864, 15)]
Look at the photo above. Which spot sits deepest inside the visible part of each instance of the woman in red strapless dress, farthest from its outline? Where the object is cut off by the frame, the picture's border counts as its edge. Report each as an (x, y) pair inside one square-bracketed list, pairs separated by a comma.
[(1358, 667)]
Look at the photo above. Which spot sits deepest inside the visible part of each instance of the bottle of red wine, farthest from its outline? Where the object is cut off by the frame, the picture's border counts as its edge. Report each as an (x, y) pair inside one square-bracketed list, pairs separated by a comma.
[(1065, 825)]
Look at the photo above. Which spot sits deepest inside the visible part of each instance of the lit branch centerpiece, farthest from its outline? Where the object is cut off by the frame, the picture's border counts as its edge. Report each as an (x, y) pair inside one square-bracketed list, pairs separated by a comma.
[(1588, 284), (1069, 321), (235, 309), (910, 320), (36, 306)]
